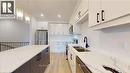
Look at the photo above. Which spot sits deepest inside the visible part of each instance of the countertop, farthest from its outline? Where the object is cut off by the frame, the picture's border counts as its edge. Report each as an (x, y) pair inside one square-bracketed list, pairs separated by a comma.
[(95, 60), (10, 60)]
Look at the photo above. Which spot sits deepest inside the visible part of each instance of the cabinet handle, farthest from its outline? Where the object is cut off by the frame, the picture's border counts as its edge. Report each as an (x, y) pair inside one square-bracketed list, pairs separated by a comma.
[(79, 14), (97, 17), (71, 56), (47, 51), (39, 57), (102, 13)]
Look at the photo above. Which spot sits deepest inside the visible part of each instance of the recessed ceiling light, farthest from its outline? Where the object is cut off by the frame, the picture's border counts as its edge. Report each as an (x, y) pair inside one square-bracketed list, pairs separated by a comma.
[(42, 14), (59, 16), (27, 18), (19, 13)]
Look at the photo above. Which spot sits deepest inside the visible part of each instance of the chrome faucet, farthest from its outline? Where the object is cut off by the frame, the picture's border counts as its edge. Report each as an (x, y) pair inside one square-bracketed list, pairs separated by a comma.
[(86, 41)]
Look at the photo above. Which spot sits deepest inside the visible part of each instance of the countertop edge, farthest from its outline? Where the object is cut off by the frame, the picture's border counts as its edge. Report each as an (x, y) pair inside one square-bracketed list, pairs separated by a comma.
[(27, 59)]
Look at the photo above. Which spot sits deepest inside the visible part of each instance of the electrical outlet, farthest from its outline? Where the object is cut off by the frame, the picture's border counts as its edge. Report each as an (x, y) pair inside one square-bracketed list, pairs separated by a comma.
[(128, 67), (113, 59), (125, 45)]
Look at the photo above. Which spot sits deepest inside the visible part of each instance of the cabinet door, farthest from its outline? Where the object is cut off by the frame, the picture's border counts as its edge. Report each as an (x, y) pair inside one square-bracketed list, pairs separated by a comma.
[(73, 62), (47, 56), (94, 12), (75, 17), (76, 29), (24, 68), (35, 64), (70, 58), (115, 8), (45, 59)]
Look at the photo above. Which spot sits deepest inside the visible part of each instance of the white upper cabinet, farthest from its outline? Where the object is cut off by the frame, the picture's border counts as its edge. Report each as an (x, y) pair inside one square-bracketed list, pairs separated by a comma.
[(94, 12), (101, 11), (80, 11), (83, 7), (76, 29), (111, 9)]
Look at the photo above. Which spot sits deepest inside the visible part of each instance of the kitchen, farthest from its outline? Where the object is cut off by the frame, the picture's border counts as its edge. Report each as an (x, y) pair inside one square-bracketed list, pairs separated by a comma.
[(82, 36)]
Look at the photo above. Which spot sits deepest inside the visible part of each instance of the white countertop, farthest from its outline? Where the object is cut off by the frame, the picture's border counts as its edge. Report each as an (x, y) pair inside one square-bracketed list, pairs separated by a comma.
[(10, 60), (95, 60)]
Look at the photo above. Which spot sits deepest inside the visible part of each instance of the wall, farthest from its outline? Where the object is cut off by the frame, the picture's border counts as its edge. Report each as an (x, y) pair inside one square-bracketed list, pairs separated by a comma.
[(13, 31), (42, 25), (116, 40), (93, 36), (112, 41), (59, 37), (16, 30), (58, 29), (36, 25), (32, 30)]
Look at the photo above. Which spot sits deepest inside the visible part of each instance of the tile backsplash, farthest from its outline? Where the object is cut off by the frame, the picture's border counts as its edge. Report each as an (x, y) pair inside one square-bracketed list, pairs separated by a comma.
[(113, 41)]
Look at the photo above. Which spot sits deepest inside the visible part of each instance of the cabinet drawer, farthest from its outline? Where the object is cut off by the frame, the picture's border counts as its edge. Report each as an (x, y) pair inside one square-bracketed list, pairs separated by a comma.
[(81, 67), (35, 64)]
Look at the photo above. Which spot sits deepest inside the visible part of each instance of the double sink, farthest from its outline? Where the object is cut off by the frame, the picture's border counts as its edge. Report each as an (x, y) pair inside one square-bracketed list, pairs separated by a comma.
[(82, 49)]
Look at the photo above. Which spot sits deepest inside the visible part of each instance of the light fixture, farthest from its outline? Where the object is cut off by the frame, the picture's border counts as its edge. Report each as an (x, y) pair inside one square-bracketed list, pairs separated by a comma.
[(59, 16), (27, 18), (19, 13), (42, 14)]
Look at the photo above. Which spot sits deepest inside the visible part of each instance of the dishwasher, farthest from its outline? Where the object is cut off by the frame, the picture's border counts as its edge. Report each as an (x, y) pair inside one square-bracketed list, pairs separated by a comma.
[(81, 67)]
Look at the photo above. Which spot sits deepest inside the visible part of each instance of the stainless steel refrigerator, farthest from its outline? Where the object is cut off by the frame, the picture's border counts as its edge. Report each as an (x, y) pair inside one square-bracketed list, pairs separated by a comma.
[(41, 37)]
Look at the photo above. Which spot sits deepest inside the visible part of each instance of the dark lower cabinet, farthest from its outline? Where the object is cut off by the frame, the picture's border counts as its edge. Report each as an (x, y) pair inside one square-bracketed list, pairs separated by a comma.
[(46, 56), (37, 64), (45, 60), (24, 68)]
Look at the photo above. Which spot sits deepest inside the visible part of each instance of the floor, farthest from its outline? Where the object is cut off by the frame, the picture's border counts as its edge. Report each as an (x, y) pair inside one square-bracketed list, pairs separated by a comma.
[(58, 64)]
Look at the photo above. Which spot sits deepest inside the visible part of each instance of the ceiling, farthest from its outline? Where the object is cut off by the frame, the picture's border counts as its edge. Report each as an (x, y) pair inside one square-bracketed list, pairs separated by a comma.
[(50, 9)]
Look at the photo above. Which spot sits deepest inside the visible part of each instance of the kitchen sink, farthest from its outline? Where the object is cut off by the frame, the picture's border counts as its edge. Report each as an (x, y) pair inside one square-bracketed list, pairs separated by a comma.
[(110, 69), (81, 49)]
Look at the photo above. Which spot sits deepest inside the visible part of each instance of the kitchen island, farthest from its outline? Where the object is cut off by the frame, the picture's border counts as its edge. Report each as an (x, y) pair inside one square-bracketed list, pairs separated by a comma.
[(27, 59)]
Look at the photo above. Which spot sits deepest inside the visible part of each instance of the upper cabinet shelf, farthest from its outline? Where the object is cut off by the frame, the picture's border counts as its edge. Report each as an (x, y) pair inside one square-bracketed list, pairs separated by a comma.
[(107, 13), (83, 18), (80, 13), (102, 13)]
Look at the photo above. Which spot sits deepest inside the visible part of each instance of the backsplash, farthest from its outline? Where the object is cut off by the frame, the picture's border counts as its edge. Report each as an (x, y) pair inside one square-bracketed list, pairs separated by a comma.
[(115, 41), (112, 41)]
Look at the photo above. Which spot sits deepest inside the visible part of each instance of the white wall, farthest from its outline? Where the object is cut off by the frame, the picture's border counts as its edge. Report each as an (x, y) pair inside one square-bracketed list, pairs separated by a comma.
[(58, 34), (32, 30), (59, 37), (17, 30), (42, 25), (13, 31), (58, 29), (36, 25), (114, 41), (93, 36)]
